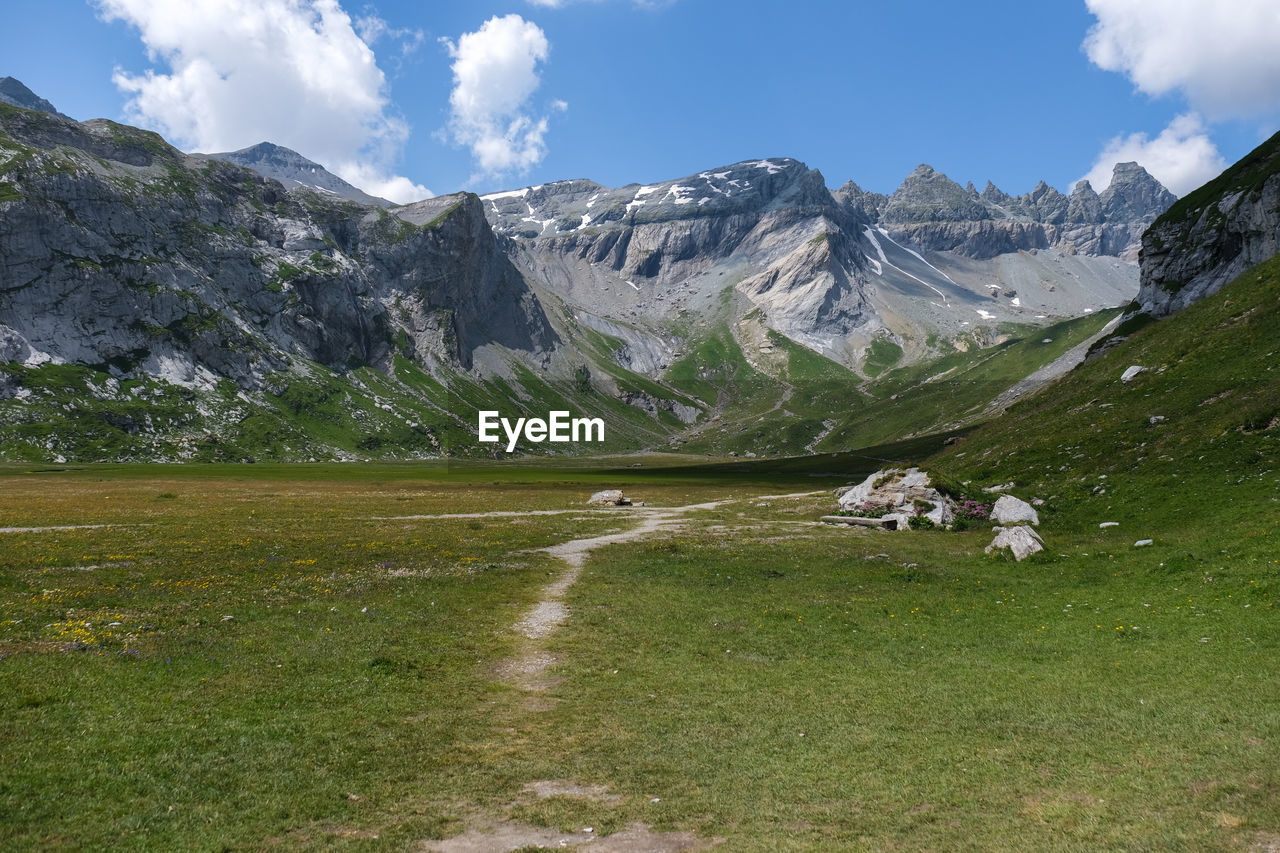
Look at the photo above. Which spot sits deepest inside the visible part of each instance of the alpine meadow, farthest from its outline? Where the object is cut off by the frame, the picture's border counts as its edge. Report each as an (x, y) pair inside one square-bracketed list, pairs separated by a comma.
[(741, 511)]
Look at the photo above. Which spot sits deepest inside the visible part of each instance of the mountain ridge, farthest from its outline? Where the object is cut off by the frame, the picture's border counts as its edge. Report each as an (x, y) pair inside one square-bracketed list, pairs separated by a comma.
[(676, 307)]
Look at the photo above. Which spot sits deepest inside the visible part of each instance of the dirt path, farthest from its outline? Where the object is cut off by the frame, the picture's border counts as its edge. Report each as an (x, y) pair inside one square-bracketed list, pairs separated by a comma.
[(493, 513), (48, 529), (529, 666), (528, 670)]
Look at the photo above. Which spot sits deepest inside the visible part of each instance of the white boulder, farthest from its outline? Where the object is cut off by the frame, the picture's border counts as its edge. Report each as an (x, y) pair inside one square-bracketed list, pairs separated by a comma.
[(1023, 541), (1011, 510), (1131, 372), (899, 489)]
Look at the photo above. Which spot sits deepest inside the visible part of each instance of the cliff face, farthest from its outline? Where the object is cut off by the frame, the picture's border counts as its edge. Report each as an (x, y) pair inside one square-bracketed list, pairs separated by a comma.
[(650, 256), (116, 249), (1214, 234)]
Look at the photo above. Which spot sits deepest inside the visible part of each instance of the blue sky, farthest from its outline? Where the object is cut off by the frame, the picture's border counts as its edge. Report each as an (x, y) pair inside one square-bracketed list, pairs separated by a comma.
[(401, 97)]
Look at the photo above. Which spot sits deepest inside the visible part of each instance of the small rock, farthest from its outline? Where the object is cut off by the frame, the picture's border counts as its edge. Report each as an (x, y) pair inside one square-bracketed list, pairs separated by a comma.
[(1142, 543), (1155, 419), (608, 497), (1037, 501), (1131, 372), (1011, 510), (1003, 487), (227, 618), (1109, 524)]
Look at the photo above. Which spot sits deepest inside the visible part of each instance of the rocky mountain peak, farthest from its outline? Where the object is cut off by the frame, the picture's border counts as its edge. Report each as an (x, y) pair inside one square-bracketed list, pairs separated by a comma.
[(1046, 204), (15, 93), (1083, 205), (865, 204), (294, 170), (1134, 195), (993, 194), (927, 195)]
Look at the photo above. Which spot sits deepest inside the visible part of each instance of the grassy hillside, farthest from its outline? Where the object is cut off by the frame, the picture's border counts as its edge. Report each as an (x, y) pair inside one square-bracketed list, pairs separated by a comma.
[(1188, 445)]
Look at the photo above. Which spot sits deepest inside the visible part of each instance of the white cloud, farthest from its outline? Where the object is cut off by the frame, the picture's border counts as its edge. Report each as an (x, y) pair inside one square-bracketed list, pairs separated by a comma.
[(1182, 157), (292, 72), (495, 73), (1224, 56)]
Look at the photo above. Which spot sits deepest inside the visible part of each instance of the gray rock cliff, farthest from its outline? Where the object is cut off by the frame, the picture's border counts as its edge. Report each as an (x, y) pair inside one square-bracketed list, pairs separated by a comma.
[(1213, 234), (118, 250), (932, 211)]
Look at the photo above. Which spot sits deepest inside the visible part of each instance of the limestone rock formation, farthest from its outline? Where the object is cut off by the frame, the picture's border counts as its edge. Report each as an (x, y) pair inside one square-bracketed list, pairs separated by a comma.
[(116, 249), (1011, 510), (932, 211), (1214, 234), (907, 492), (1022, 542)]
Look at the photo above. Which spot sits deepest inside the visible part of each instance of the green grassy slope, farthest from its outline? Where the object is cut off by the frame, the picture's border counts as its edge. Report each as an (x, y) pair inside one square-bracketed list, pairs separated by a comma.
[(954, 390), (1189, 444)]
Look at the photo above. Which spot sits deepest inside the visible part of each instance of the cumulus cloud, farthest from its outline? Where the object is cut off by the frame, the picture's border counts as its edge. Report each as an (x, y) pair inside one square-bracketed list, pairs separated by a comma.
[(1222, 56), (495, 73), (293, 72), (1182, 157)]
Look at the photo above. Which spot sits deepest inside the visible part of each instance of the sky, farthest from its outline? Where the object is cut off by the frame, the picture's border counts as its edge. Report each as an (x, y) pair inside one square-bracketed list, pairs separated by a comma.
[(406, 98)]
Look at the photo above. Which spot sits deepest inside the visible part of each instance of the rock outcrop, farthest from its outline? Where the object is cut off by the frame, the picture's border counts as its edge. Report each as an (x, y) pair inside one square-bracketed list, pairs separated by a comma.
[(1214, 234), (118, 250), (1021, 541), (14, 93), (904, 492), (931, 210)]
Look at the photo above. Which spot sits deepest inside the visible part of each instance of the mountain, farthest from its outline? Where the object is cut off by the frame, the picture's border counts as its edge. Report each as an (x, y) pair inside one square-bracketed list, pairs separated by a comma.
[(293, 170), (932, 268), (15, 94), (159, 305), (930, 210), (1172, 426), (1213, 234), (231, 277)]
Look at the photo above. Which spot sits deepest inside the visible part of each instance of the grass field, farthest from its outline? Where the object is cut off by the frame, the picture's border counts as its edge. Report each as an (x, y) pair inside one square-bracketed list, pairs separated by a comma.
[(744, 676)]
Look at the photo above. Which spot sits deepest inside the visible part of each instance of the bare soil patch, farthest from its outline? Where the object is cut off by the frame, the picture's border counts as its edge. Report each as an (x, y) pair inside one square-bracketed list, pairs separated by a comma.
[(505, 836)]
